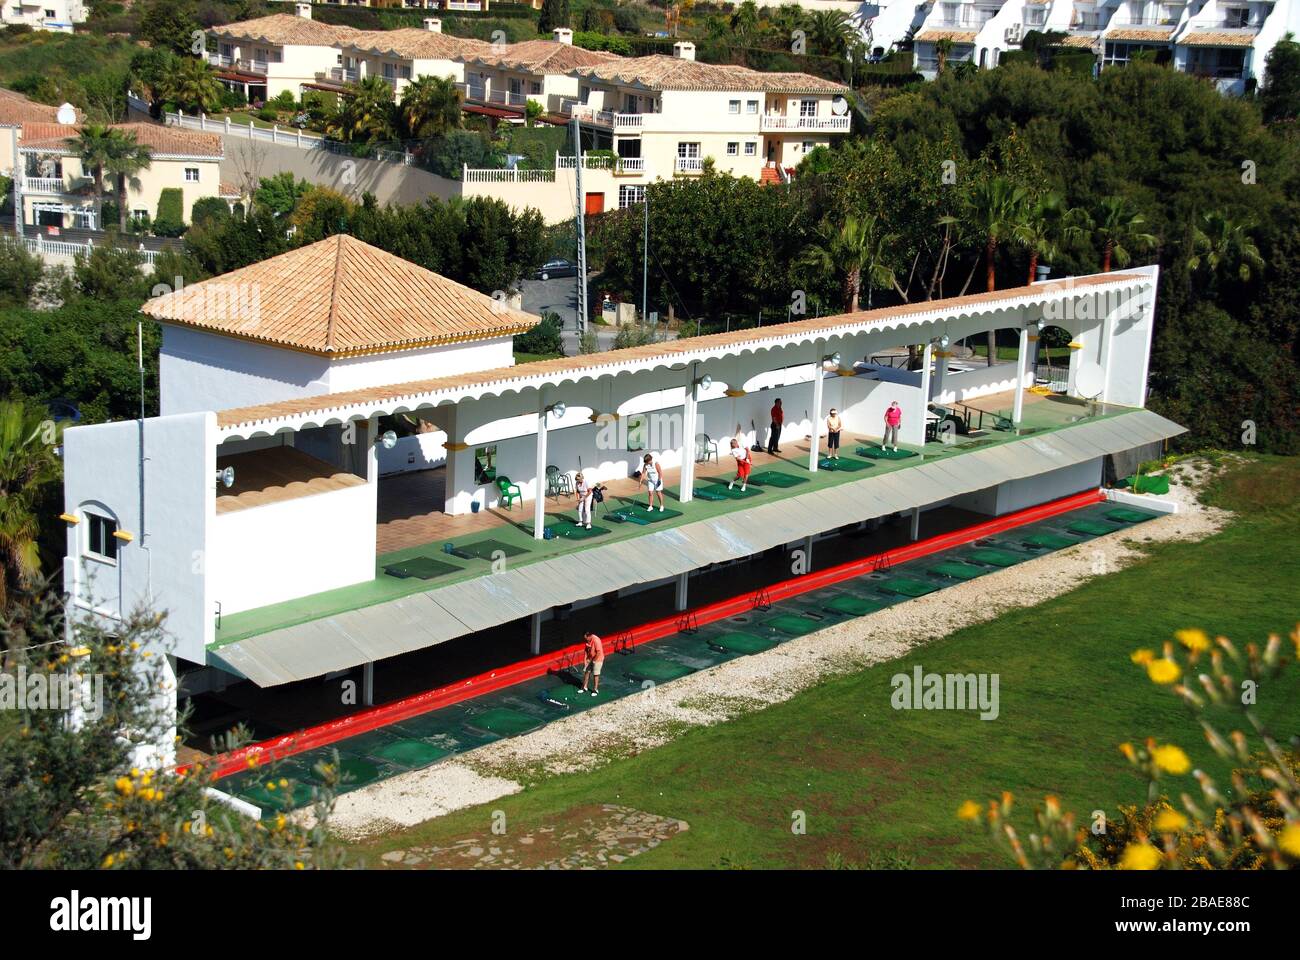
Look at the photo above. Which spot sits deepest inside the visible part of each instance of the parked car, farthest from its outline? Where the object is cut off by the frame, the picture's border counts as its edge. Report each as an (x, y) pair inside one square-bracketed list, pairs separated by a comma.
[(557, 268)]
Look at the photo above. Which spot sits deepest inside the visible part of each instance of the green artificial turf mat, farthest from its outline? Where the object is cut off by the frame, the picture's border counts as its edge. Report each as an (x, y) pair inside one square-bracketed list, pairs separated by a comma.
[(843, 465), (994, 558), (907, 587), (854, 606), (711, 494), (956, 570), (410, 753), (656, 670), (1051, 541), (775, 478), (1124, 515), (487, 549), (718, 491), (421, 568), (793, 624), (875, 453), (742, 643), (352, 772), (1093, 528), (565, 695), (504, 722), (637, 513), (573, 531), (297, 793)]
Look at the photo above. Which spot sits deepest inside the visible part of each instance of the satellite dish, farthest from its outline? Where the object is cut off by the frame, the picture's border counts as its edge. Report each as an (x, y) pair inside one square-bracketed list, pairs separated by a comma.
[(1089, 382), (226, 477), (389, 439), (839, 106), (67, 114)]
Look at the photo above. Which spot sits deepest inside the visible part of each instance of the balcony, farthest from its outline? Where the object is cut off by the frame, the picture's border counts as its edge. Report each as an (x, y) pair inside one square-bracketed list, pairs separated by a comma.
[(223, 62), (44, 185), (776, 123), (343, 74), (689, 165), (482, 93), (472, 6)]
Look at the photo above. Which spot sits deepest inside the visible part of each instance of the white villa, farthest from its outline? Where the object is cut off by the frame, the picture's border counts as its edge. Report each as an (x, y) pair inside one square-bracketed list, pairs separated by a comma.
[(266, 56), (271, 511), (401, 55), (1225, 40), (57, 15)]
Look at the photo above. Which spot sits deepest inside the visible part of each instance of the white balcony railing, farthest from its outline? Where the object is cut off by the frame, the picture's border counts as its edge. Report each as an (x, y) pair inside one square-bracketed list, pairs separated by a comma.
[(478, 175), (628, 121), (472, 6), (689, 165), (343, 74), (222, 61), (43, 185), (830, 124), (482, 93), (623, 165)]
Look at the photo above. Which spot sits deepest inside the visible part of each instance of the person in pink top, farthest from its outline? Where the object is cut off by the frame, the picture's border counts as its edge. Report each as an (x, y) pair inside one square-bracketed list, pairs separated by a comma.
[(893, 417), (594, 659)]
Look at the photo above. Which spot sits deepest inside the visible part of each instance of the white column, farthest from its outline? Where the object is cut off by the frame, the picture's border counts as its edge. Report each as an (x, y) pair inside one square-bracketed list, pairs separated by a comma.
[(683, 583), (916, 524), (926, 359), (368, 683), (539, 502), (690, 409), (1022, 353), (535, 634), (819, 384)]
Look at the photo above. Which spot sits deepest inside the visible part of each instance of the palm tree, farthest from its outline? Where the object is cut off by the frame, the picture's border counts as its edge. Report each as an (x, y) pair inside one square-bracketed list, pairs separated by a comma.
[(127, 160), (95, 146), (1118, 228), (1220, 243), (998, 209), (192, 85), (745, 19), (856, 252), (1047, 226), (942, 47), (367, 113), (27, 464), (832, 32), (430, 107)]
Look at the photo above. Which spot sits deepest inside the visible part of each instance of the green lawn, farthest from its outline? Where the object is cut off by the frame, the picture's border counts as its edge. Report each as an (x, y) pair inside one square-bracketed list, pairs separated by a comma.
[(873, 780)]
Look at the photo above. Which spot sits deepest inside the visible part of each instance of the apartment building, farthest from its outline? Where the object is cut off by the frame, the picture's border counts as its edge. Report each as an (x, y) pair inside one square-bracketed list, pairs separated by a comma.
[(399, 56), (506, 77), (57, 15), (264, 57), (57, 190)]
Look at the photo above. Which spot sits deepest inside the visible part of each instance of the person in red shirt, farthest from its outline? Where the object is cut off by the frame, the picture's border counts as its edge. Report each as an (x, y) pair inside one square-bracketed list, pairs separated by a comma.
[(594, 660), (744, 463), (778, 420)]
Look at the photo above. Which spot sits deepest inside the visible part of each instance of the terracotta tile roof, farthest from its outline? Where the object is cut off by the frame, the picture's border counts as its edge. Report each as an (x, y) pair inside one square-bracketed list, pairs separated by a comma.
[(285, 28), (15, 110), (1156, 34), (163, 141), (667, 350), (1219, 38), (228, 190), (1086, 41), (956, 36), (412, 43), (339, 297), (661, 72), (542, 56)]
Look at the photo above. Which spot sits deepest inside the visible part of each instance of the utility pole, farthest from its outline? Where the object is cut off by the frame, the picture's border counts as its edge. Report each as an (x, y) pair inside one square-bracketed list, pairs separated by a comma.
[(645, 257), (19, 170), (581, 221)]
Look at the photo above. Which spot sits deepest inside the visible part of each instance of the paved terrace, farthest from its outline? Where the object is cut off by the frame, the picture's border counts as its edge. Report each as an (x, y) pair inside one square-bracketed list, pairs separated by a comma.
[(410, 528)]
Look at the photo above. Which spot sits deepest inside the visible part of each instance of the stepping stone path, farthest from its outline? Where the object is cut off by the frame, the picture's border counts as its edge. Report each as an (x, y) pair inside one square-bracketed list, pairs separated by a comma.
[(606, 835)]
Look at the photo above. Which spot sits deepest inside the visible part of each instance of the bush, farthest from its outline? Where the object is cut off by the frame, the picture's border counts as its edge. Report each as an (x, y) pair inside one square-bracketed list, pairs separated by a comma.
[(170, 221), (210, 210), (543, 338), (110, 213), (20, 272), (283, 100)]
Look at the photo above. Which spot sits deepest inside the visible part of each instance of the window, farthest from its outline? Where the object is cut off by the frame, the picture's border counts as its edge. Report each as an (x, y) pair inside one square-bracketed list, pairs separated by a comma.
[(733, 149), (688, 151), (100, 541), (808, 145), (485, 464), (751, 149), (140, 214), (629, 195), (535, 87), (733, 106), (751, 106), (191, 174), (807, 108)]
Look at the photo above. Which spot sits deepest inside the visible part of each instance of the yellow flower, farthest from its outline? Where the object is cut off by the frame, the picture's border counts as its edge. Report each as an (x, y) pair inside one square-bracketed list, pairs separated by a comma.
[(1171, 759), (1289, 839), (124, 786), (1193, 639), (1170, 821), (970, 810), (1139, 856), (1143, 656), (297, 865), (1163, 671), (1127, 750), (109, 861)]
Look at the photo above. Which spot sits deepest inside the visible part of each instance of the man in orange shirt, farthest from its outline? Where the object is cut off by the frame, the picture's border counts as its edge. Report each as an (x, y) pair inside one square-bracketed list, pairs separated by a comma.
[(778, 420), (594, 654)]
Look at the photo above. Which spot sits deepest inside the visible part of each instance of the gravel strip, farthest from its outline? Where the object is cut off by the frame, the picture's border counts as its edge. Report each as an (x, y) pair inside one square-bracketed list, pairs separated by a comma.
[(643, 721)]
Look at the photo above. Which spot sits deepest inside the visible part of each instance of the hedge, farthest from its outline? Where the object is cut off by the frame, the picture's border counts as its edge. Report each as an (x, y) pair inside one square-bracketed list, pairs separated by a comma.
[(170, 221)]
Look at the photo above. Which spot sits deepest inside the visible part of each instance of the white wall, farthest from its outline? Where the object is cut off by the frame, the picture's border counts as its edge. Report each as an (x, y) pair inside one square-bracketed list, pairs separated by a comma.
[(420, 451), (278, 551), (1018, 494), (164, 566), (981, 381)]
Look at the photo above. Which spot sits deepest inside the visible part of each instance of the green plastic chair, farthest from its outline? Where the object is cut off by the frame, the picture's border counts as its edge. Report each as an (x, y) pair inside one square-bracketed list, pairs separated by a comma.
[(510, 492)]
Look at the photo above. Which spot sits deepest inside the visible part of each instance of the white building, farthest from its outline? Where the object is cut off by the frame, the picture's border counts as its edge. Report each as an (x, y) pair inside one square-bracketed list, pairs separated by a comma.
[(287, 372), (269, 55), (58, 15)]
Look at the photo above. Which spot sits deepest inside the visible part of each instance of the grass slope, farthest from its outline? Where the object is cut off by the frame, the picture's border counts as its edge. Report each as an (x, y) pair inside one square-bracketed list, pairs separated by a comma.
[(872, 780)]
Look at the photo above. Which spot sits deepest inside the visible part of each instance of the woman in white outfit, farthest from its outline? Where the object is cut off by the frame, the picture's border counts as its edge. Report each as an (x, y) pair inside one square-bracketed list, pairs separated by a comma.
[(652, 475), (583, 492)]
